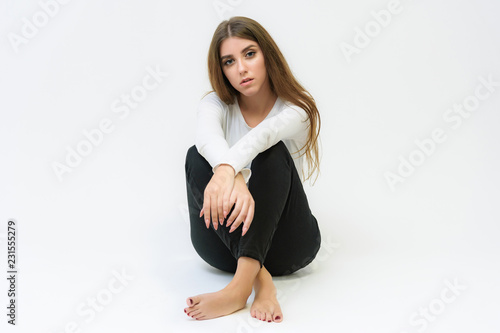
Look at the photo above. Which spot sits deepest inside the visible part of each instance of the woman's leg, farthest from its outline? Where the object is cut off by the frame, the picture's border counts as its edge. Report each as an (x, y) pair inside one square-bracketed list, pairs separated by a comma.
[(284, 235), (206, 242), (228, 300), (282, 214), (214, 251)]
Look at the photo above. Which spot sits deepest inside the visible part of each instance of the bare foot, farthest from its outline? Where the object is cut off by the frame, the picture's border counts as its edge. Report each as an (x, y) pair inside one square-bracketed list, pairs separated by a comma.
[(230, 299), (213, 305), (265, 306)]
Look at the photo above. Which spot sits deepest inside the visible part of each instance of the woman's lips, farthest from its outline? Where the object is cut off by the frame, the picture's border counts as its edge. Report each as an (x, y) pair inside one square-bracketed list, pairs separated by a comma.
[(246, 82)]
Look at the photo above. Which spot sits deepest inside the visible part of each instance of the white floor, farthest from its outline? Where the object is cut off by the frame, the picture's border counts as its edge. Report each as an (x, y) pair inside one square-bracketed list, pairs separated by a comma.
[(402, 283)]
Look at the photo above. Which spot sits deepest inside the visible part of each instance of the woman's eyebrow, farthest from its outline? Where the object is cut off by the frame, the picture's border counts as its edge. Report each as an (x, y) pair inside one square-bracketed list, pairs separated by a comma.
[(242, 51)]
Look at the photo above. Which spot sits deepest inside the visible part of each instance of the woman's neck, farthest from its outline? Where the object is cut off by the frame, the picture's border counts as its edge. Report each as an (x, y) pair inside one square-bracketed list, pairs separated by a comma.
[(259, 104)]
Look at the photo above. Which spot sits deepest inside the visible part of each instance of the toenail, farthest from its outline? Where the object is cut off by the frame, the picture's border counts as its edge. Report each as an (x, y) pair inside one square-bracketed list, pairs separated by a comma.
[(278, 317), (268, 321), (185, 311), (190, 301)]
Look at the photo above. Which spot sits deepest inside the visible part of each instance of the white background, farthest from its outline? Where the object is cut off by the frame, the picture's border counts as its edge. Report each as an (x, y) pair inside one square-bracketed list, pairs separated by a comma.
[(387, 253)]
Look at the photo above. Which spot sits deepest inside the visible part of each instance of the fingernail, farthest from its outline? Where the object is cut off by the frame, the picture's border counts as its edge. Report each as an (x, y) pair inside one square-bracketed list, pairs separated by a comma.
[(221, 220), (225, 213)]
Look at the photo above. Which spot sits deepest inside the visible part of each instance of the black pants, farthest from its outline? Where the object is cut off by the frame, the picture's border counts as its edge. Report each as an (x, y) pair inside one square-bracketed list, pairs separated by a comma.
[(284, 235)]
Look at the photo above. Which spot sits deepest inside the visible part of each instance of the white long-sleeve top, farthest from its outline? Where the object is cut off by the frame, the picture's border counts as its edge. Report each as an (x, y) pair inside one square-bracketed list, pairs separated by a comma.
[(223, 136)]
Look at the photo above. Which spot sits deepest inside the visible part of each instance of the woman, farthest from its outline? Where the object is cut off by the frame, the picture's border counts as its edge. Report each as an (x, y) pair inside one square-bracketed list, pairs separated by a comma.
[(248, 210)]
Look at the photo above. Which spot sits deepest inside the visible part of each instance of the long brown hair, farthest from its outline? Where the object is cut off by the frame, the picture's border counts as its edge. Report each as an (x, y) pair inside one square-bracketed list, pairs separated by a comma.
[(281, 79)]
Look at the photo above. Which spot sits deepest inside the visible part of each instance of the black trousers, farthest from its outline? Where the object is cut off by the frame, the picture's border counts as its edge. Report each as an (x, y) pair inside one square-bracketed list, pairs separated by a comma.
[(284, 235)]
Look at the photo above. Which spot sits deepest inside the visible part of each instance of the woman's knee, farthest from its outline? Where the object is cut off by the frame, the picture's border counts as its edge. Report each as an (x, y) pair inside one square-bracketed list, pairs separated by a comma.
[(195, 163), (275, 155), (192, 155)]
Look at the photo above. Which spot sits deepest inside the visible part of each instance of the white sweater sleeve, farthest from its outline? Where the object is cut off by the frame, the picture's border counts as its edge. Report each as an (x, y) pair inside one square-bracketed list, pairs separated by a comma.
[(290, 123), (212, 145), (210, 140)]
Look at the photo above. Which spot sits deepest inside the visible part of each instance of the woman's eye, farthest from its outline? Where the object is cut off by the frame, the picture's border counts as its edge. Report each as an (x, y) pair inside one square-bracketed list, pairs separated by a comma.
[(251, 53)]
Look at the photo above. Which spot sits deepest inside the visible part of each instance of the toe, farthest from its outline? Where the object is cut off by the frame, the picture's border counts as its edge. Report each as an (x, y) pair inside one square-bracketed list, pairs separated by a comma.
[(191, 311), (191, 301), (269, 317), (258, 315), (278, 317), (197, 315)]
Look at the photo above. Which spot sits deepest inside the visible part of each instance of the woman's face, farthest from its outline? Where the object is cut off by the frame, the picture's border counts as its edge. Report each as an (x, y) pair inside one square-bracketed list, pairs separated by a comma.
[(242, 59)]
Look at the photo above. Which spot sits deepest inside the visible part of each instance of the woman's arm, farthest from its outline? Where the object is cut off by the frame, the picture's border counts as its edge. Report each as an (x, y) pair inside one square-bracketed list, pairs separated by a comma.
[(292, 122), (212, 145), (210, 121)]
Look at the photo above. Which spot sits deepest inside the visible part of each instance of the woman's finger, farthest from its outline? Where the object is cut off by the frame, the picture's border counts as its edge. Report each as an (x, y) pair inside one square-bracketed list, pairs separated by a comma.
[(213, 208), (232, 207), (225, 205), (206, 210), (240, 218), (249, 219), (235, 213), (220, 211)]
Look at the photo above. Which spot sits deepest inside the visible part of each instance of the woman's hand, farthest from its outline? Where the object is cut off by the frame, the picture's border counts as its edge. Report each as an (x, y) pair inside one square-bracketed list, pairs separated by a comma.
[(217, 195), (244, 206)]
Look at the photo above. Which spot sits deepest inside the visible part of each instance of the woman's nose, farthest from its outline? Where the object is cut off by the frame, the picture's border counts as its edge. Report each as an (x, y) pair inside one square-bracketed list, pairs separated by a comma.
[(242, 66)]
